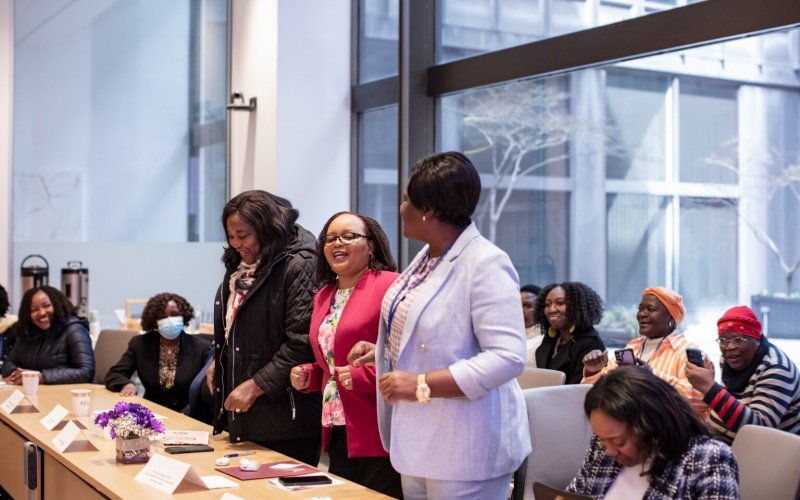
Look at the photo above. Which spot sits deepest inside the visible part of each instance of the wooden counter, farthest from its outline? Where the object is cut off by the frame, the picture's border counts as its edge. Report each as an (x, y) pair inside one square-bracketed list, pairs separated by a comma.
[(88, 469)]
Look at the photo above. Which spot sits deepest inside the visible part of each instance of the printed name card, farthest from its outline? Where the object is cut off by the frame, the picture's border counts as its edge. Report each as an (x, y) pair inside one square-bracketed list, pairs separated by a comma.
[(67, 435), (185, 437), (166, 474), (54, 417), (13, 400)]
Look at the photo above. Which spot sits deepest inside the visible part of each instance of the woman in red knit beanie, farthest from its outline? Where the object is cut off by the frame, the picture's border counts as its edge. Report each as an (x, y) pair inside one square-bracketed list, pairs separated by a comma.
[(760, 384)]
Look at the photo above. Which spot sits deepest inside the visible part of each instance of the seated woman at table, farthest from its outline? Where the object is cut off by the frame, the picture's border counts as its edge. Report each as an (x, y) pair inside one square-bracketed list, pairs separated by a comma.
[(567, 313), (7, 323), (52, 339), (661, 346), (166, 358), (648, 443)]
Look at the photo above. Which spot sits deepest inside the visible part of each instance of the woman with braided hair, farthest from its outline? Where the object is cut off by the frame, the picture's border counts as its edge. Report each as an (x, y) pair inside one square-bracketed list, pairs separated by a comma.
[(567, 313)]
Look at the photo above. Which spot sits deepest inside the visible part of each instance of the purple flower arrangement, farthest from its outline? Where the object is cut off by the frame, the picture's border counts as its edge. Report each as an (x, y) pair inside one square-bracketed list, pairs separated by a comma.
[(130, 420)]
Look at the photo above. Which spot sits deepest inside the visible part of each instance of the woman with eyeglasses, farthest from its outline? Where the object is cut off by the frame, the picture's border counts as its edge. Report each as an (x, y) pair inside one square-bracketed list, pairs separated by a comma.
[(760, 384), (261, 316), (165, 357), (355, 268)]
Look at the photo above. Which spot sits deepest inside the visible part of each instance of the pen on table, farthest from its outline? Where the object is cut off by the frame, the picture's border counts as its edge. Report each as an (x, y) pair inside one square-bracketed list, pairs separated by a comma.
[(240, 454)]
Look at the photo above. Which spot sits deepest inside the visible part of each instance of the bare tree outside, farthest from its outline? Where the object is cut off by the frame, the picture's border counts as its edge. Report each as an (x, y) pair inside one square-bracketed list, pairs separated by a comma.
[(765, 175), (520, 129)]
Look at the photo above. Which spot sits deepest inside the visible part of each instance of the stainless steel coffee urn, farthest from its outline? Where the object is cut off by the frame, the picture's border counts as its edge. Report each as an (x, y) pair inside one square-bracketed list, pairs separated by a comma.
[(75, 285), (33, 275)]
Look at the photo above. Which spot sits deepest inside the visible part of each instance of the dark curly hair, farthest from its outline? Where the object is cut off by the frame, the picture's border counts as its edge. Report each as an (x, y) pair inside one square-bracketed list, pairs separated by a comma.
[(584, 306), (4, 304), (62, 307), (271, 217), (154, 310), (656, 413), (448, 184), (381, 259)]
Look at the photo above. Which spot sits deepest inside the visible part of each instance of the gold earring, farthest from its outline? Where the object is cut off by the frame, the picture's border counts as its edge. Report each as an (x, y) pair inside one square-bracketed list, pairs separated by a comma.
[(552, 332)]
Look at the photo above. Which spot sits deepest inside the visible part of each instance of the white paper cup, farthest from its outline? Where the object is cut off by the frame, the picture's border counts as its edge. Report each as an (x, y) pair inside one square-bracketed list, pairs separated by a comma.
[(81, 402), (30, 382)]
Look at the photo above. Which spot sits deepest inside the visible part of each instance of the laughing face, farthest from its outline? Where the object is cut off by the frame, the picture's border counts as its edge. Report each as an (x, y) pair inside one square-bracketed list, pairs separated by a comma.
[(243, 238), (555, 308), (42, 310), (654, 319), (348, 261)]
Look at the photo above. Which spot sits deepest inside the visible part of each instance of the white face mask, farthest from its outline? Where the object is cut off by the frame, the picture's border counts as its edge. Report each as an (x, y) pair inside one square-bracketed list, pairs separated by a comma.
[(171, 327)]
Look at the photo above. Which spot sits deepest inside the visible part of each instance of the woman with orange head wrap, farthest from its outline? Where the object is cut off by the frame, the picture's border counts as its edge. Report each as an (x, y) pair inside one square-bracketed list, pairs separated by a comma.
[(660, 346)]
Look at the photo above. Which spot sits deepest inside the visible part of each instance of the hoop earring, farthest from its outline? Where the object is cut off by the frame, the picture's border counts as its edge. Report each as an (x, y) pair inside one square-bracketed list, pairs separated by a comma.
[(371, 261)]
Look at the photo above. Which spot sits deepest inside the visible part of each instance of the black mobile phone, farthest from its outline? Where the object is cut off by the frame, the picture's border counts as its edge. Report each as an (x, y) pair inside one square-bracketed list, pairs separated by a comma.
[(188, 448), (304, 480), (625, 357), (695, 356)]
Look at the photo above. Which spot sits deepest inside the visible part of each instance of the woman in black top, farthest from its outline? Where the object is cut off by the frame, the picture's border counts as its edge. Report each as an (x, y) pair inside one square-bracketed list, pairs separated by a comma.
[(262, 314), (166, 358), (51, 338), (567, 313)]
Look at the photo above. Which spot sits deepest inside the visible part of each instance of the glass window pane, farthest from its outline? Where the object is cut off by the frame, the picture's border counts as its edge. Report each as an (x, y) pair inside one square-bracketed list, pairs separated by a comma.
[(708, 130), (470, 27), (379, 24), (636, 246), (709, 271), (636, 107), (377, 170), (119, 123)]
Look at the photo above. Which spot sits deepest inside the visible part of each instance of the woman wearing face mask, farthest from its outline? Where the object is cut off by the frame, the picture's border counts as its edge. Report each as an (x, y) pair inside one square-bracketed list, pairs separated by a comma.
[(165, 357), (51, 338)]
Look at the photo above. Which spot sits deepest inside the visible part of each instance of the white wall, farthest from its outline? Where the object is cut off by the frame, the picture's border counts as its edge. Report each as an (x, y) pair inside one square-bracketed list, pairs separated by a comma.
[(294, 56), (6, 121)]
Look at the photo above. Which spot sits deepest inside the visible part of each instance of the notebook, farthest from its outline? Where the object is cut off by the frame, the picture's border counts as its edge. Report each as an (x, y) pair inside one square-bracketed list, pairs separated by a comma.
[(544, 492)]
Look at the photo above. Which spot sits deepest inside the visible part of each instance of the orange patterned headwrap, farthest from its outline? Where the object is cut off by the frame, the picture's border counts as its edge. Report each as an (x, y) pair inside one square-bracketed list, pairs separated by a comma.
[(671, 300)]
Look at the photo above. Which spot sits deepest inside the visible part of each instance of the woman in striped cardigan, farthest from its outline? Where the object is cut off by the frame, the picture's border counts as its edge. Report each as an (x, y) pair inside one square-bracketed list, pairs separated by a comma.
[(661, 347), (760, 384)]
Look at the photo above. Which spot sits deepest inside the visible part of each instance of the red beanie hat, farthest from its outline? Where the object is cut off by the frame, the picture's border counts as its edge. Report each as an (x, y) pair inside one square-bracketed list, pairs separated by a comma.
[(740, 319)]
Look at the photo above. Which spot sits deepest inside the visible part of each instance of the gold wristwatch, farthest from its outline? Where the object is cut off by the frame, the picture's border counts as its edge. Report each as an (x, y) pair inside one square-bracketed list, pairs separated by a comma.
[(423, 391)]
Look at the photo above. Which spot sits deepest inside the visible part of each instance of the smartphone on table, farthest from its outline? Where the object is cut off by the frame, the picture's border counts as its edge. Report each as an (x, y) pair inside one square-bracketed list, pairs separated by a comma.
[(188, 448), (695, 356), (625, 357), (304, 480)]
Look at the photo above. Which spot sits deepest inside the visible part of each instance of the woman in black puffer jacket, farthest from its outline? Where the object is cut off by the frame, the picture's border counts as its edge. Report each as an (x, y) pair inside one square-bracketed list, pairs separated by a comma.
[(262, 313), (52, 339)]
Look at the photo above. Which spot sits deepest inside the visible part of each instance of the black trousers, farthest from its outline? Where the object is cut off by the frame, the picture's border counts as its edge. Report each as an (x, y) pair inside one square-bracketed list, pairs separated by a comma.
[(376, 473), (306, 450)]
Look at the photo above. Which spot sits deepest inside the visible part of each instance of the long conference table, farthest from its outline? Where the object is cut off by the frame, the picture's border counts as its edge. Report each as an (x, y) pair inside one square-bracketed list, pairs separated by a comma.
[(88, 469)]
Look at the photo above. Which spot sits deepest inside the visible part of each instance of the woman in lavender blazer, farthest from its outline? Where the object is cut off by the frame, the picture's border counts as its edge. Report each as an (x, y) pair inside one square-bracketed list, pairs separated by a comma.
[(450, 345)]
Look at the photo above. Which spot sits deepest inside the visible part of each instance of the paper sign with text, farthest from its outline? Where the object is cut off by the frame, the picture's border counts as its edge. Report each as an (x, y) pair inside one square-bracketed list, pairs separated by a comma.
[(54, 417), (166, 474), (185, 437), (67, 435), (12, 401)]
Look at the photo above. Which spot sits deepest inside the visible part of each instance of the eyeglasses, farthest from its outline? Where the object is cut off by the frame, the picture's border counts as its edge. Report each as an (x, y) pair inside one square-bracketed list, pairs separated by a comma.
[(344, 239), (732, 341)]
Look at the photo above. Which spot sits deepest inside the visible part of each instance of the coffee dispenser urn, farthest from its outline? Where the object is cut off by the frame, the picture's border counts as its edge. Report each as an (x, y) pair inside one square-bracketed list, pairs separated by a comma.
[(33, 275), (75, 285)]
